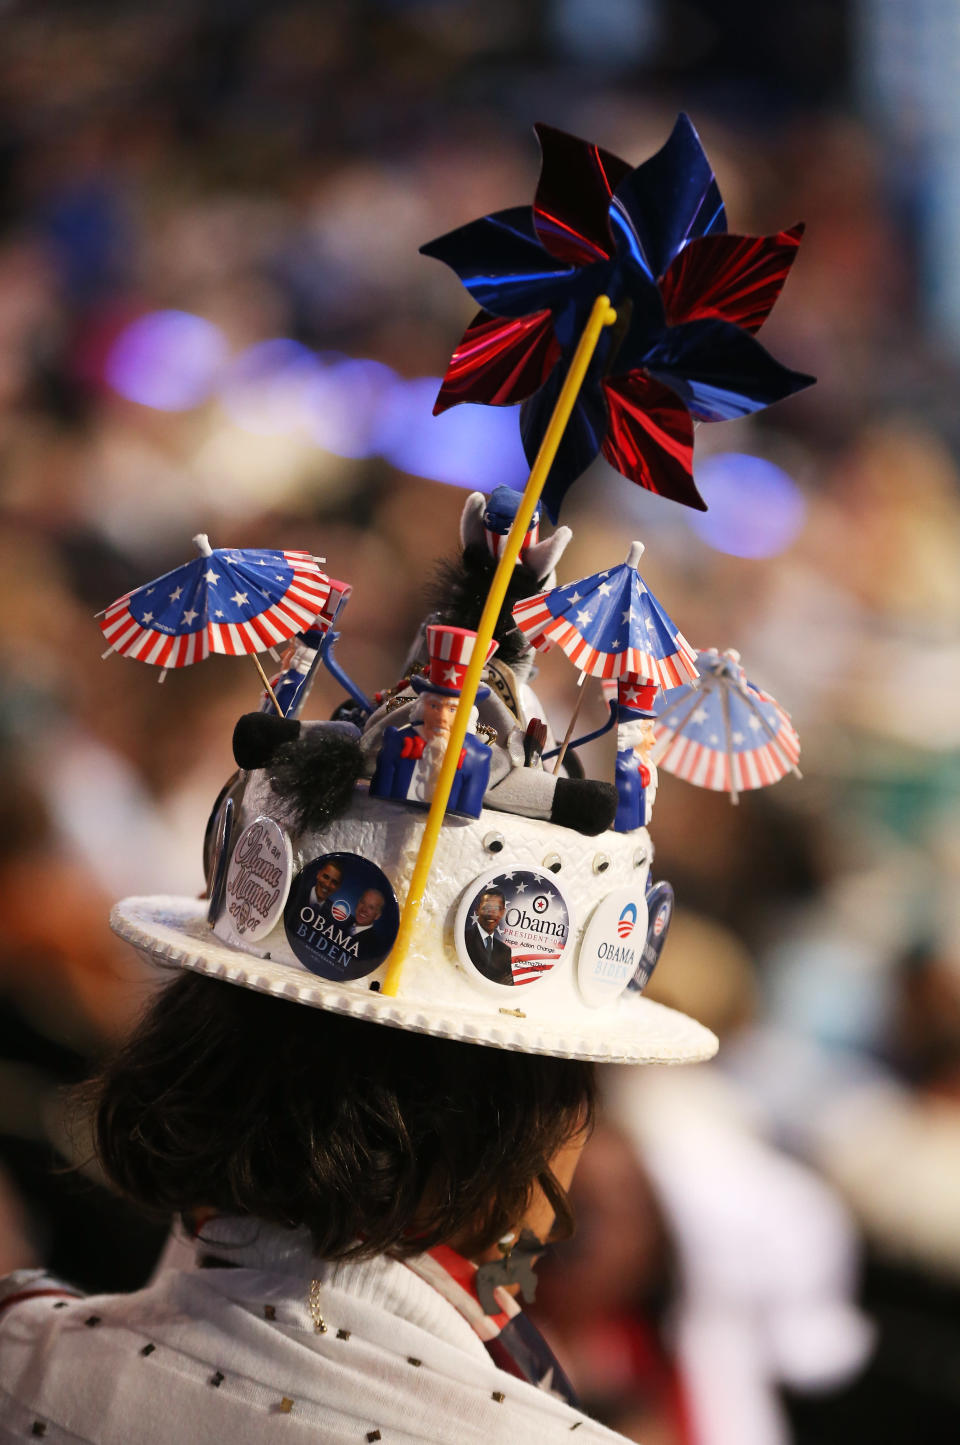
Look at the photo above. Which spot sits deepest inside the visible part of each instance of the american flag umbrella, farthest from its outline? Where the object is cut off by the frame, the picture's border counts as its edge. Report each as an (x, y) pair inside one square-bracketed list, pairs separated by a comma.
[(723, 732), (226, 600), (610, 624)]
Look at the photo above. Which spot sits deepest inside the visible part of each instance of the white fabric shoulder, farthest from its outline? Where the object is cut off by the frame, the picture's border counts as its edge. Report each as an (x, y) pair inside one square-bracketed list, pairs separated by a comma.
[(221, 1354)]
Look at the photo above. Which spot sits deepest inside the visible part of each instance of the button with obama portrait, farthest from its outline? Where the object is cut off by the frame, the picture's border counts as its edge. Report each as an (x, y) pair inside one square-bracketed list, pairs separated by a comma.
[(341, 918), (513, 927)]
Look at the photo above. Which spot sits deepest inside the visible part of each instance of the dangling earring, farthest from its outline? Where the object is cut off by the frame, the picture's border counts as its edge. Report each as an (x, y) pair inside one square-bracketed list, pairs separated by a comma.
[(516, 1267)]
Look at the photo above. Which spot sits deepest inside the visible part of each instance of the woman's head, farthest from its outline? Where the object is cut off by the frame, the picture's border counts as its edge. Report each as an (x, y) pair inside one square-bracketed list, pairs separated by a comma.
[(375, 1139)]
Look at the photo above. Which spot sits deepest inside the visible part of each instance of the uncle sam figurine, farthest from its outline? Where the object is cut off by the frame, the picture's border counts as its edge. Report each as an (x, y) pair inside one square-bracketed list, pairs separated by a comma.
[(636, 775), (410, 757)]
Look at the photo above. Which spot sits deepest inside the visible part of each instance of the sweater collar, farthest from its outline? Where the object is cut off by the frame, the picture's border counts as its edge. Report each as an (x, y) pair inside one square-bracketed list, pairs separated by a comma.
[(420, 1290)]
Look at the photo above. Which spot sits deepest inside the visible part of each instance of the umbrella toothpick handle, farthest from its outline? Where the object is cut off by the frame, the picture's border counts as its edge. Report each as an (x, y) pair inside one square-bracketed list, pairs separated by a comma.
[(266, 682), (571, 724), (202, 543)]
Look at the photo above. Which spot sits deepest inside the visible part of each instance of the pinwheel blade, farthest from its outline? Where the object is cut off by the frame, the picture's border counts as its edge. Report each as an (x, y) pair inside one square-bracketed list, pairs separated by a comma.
[(669, 200), (729, 278), (572, 203), (502, 264), (650, 437), (500, 361), (581, 438), (720, 372)]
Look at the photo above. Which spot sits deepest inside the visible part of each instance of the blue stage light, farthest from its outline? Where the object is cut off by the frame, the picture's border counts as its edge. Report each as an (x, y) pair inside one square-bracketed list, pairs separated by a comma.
[(168, 360), (468, 446), (755, 508)]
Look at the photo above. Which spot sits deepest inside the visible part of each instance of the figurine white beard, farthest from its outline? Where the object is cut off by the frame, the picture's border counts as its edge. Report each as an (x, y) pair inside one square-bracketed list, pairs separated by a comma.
[(428, 769)]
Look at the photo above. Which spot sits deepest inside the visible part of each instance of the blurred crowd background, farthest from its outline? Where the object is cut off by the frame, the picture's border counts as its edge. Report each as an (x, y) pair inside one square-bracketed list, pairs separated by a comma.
[(213, 317)]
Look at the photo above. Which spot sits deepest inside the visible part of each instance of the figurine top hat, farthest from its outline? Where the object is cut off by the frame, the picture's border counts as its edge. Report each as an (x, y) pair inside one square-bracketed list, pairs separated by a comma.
[(450, 650), (498, 515), (635, 698)]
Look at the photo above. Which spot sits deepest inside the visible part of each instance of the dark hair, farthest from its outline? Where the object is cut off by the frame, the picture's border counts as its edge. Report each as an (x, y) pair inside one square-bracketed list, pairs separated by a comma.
[(375, 1139), (494, 893)]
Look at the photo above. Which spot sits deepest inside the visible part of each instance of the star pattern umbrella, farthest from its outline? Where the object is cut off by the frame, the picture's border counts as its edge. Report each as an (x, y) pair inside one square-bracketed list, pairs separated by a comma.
[(724, 733), (688, 295), (610, 624), (226, 600)]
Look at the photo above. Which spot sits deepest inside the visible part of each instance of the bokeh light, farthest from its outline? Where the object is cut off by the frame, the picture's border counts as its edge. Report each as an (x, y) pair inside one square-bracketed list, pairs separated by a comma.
[(755, 508), (166, 359), (468, 446), (266, 389), (347, 399)]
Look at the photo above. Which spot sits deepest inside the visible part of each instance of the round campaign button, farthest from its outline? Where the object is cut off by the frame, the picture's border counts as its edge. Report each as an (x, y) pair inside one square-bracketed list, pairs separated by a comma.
[(513, 927), (342, 916), (659, 912), (611, 947), (258, 880), (219, 859)]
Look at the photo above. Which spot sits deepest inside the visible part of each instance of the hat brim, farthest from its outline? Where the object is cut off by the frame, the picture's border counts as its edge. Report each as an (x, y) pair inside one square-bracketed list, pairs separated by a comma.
[(174, 933)]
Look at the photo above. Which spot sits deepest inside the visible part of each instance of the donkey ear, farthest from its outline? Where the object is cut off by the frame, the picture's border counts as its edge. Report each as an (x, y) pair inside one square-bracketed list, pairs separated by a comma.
[(542, 557), (471, 520)]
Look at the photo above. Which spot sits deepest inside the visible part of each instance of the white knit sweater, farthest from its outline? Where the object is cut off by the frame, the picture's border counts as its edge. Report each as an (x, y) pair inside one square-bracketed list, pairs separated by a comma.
[(235, 1359)]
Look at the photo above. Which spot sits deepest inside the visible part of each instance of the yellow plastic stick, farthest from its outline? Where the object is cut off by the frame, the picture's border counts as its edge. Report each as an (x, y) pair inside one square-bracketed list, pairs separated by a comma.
[(602, 315)]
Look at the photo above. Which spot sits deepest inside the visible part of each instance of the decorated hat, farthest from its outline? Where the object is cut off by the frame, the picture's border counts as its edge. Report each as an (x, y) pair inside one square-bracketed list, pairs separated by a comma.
[(531, 937), (534, 934), (523, 910), (449, 652)]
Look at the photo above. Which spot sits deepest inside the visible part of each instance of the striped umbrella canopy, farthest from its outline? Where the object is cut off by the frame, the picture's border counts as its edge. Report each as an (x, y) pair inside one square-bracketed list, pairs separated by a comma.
[(226, 600), (723, 732), (610, 624)]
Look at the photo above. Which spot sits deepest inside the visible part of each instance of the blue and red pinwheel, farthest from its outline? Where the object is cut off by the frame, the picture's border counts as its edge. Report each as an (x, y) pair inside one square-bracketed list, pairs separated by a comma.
[(688, 296)]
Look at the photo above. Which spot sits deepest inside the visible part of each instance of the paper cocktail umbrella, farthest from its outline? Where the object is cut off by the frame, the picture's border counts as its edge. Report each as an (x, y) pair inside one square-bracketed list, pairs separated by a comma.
[(226, 600), (609, 624), (723, 732)]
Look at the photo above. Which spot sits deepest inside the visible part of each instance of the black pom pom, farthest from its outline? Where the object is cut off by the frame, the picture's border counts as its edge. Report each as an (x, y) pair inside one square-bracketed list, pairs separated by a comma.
[(314, 776), (584, 804), (459, 590), (257, 736)]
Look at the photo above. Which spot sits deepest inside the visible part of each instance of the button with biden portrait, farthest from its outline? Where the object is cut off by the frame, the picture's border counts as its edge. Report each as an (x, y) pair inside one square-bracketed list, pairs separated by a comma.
[(342, 917)]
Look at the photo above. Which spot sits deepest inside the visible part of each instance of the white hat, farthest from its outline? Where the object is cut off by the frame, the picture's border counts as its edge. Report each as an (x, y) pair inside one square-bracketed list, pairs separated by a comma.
[(569, 911)]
